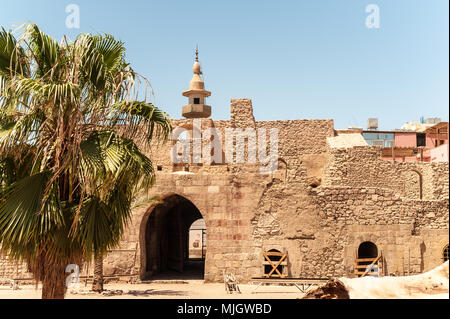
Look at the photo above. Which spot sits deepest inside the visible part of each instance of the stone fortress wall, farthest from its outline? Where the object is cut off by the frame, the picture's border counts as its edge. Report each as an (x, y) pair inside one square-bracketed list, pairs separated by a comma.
[(363, 166), (319, 206)]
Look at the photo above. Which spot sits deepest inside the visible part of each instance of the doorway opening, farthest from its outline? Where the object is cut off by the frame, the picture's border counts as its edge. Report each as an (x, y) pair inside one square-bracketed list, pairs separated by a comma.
[(168, 232), (197, 240), (368, 260)]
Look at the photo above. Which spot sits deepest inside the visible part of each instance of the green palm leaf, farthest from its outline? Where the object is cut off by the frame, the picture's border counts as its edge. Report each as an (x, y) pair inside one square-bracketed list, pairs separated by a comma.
[(26, 212), (45, 49), (143, 115)]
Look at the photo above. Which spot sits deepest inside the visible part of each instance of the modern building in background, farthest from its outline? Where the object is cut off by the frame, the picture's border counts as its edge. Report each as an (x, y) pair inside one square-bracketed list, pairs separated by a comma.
[(424, 142)]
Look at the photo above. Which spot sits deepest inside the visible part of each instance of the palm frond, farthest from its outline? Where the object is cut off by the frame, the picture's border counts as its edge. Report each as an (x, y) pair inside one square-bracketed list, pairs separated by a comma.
[(45, 49), (113, 160), (12, 56), (142, 117), (26, 213), (112, 50)]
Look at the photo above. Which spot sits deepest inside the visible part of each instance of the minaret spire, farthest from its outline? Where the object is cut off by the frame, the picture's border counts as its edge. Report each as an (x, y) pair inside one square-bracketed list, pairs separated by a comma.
[(196, 94), (196, 53)]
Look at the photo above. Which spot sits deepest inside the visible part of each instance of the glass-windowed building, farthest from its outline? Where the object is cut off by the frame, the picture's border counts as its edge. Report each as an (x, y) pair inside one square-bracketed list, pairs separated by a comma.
[(383, 139)]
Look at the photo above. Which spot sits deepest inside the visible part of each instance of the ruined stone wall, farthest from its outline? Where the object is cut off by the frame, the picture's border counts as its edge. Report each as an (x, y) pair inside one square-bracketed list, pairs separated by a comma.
[(302, 146), (363, 166), (241, 114), (438, 174), (402, 229), (321, 230), (11, 269), (229, 196)]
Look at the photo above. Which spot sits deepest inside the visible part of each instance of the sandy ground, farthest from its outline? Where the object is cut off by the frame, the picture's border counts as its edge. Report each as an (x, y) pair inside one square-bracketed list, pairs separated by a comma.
[(433, 284), (194, 289)]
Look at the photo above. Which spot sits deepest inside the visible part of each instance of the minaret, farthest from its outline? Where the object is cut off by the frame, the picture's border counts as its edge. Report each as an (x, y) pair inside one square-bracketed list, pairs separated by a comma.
[(196, 94)]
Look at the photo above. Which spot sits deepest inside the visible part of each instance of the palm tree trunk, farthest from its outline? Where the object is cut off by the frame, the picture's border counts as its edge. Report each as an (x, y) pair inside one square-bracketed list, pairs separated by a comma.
[(54, 282), (97, 285)]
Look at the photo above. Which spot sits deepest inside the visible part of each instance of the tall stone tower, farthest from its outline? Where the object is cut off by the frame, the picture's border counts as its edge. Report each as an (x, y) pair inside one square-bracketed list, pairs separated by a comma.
[(196, 95)]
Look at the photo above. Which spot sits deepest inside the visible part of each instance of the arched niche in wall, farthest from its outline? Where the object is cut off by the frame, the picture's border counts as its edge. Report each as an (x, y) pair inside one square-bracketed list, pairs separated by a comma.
[(413, 184), (182, 153), (281, 173)]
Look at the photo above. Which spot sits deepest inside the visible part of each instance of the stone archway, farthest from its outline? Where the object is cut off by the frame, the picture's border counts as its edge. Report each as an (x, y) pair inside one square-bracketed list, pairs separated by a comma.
[(164, 240)]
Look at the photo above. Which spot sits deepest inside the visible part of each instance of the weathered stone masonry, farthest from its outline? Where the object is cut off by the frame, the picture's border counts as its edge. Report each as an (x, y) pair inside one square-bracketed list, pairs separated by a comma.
[(319, 206)]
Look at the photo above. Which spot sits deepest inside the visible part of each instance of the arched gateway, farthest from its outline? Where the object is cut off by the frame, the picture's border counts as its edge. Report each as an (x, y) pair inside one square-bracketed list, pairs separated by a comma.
[(165, 240)]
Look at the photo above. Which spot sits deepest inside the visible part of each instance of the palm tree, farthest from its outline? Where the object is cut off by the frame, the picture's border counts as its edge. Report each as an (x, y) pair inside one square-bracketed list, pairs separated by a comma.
[(69, 166)]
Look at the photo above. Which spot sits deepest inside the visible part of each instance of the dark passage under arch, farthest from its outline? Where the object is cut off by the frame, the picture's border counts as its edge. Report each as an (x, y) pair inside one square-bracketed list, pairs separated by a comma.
[(167, 240), (367, 250)]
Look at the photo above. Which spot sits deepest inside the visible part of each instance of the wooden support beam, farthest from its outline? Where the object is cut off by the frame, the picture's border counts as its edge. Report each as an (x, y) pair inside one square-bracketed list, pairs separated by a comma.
[(274, 264), (398, 151), (370, 266), (364, 259)]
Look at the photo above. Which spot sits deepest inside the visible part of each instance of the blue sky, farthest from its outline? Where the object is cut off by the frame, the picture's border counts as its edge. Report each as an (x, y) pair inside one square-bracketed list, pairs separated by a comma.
[(294, 59)]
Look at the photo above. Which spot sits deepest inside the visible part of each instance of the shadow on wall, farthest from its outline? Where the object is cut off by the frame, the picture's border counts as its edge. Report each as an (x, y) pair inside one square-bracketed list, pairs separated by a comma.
[(423, 249)]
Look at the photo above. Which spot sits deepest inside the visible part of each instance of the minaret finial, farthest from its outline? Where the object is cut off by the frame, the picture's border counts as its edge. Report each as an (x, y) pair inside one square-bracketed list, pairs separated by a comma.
[(196, 53)]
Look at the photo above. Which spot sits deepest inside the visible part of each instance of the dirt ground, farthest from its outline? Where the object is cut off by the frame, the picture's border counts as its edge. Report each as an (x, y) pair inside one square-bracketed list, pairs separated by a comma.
[(194, 289), (433, 284)]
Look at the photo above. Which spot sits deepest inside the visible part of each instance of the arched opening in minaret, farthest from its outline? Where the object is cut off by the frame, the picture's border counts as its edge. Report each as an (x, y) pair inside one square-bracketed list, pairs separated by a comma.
[(175, 240)]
